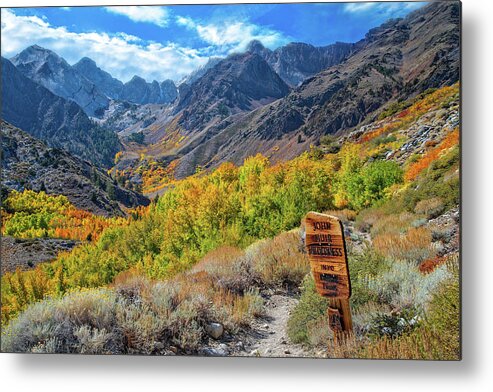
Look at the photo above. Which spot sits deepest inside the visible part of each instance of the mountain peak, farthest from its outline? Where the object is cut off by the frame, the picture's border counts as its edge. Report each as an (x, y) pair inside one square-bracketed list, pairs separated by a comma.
[(255, 46), (36, 53), (87, 61), (37, 48), (137, 78), (52, 71)]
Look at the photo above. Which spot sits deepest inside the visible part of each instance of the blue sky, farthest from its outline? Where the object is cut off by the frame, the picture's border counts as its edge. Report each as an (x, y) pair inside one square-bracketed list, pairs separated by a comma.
[(168, 42)]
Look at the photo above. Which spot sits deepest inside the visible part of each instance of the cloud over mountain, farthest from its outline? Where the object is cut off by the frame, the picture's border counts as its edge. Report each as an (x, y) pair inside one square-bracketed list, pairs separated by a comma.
[(121, 54)]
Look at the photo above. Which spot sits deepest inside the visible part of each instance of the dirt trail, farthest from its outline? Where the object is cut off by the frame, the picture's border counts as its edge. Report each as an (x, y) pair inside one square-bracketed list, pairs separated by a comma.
[(270, 332)]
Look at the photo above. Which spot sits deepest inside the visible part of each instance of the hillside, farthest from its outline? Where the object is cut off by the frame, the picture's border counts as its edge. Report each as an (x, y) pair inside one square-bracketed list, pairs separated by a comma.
[(237, 83), (199, 243), (28, 163), (212, 260), (394, 62)]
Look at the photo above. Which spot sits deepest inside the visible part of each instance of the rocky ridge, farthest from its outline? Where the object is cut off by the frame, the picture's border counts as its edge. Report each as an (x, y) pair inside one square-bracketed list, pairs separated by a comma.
[(298, 61)]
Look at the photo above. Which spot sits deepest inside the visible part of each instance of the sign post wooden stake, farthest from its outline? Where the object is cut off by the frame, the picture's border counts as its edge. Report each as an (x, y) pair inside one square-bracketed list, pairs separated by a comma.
[(326, 248)]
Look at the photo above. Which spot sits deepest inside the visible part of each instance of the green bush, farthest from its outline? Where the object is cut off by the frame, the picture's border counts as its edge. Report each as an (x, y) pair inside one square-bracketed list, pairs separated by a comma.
[(369, 185), (137, 137), (311, 308), (393, 324), (365, 267), (443, 316), (383, 139)]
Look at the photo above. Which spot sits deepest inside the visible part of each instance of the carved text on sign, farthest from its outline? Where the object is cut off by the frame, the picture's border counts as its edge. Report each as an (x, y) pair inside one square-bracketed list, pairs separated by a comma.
[(324, 240)]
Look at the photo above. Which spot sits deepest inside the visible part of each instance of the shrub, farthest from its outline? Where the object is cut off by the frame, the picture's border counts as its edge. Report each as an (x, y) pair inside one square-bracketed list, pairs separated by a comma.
[(382, 139), (429, 265), (443, 315), (403, 286), (393, 324), (136, 317), (369, 185), (236, 274), (438, 335), (137, 137), (312, 308), (279, 262), (365, 267), (318, 332), (430, 207), (55, 325), (392, 224)]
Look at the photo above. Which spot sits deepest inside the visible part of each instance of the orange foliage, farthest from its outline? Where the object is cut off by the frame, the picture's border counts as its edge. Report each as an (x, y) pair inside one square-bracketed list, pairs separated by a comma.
[(82, 225), (429, 265), (413, 112), (380, 131), (416, 168), (157, 176)]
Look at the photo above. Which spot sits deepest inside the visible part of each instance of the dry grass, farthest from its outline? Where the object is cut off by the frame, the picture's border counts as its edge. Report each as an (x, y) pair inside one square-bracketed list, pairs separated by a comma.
[(430, 207), (344, 215), (279, 262), (393, 224), (414, 246)]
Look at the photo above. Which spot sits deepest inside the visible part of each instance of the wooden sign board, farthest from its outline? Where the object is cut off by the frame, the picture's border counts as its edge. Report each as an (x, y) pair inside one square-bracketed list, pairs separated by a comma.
[(326, 248)]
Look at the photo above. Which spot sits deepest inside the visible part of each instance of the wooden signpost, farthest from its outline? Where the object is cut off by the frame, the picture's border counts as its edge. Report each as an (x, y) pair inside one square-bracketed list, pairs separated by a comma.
[(326, 248)]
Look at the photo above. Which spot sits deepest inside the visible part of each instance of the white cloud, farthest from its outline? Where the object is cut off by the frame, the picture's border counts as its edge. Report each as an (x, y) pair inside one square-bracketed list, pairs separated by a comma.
[(233, 36), (121, 54), (147, 14), (386, 9), (186, 22), (358, 7)]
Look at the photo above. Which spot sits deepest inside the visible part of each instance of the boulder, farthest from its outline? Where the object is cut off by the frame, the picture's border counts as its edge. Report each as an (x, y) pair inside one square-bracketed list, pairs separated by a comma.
[(214, 330)]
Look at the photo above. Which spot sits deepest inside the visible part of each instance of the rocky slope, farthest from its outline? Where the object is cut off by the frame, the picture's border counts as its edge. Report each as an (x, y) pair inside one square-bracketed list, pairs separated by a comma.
[(58, 122), (27, 253), (298, 61), (28, 163), (238, 83), (235, 85), (51, 71), (395, 61)]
